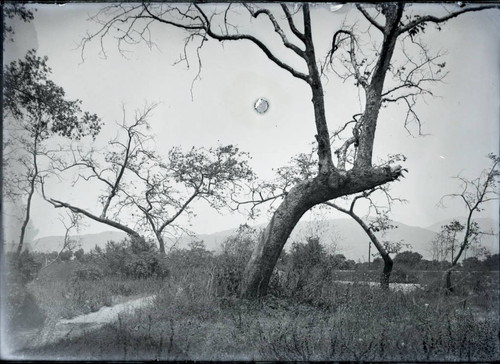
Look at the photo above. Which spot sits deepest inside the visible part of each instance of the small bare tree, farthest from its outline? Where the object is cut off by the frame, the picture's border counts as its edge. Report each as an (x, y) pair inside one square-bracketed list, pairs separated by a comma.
[(144, 192), (110, 172), (69, 244), (381, 223), (475, 193)]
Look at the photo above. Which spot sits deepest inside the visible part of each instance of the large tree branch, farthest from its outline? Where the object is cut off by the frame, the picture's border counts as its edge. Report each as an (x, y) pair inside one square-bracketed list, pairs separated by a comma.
[(182, 208), (325, 161), (254, 40), (363, 225), (277, 29), (291, 23), (78, 210), (435, 19), (369, 18), (393, 14)]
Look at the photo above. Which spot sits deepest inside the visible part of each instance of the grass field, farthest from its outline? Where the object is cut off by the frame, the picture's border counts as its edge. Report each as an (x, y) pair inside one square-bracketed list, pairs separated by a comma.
[(326, 322)]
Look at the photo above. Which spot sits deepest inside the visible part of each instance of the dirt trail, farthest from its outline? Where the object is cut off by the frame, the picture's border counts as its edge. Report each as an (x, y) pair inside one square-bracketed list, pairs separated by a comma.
[(68, 328), (108, 314), (397, 287)]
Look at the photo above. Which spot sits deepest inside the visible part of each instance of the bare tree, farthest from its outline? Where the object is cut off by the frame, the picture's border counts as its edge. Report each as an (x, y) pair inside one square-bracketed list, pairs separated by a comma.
[(212, 175), (475, 193), (69, 244), (112, 175), (144, 192), (380, 223), (446, 241), (386, 23), (35, 109)]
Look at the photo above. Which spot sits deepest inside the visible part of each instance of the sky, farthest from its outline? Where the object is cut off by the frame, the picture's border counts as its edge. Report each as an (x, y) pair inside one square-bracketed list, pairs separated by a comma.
[(461, 123)]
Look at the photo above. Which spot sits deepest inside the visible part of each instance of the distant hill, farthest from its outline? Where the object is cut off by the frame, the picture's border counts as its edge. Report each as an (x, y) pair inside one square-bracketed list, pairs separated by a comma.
[(344, 234), (485, 223), (87, 242)]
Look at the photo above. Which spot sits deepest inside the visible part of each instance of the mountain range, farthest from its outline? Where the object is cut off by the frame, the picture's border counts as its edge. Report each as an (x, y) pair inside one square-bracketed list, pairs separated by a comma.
[(342, 236)]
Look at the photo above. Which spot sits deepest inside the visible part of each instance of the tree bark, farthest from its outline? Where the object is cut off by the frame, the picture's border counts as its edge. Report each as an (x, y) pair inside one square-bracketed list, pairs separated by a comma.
[(386, 273), (448, 284), (31, 192), (26, 216), (161, 242), (388, 263), (77, 210), (374, 89), (300, 199)]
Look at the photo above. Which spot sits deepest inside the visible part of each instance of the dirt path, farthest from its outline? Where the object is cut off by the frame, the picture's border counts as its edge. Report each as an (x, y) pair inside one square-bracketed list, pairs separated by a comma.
[(107, 314), (68, 328), (397, 287)]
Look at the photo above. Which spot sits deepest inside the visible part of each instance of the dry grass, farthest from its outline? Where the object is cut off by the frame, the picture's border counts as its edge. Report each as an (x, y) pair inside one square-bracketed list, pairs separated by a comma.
[(61, 296), (356, 323)]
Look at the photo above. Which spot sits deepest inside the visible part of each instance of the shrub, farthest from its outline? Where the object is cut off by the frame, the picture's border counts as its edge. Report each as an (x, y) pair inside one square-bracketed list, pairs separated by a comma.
[(227, 269), (403, 275), (80, 255), (22, 309), (227, 275), (90, 273), (408, 258), (65, 255), (83, 297), (23, 268), (133, 258)]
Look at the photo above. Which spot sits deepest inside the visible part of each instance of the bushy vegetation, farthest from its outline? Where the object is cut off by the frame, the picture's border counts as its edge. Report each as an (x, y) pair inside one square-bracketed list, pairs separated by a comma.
[(310, 313), (132, 258), (190, 320), (21, 307)]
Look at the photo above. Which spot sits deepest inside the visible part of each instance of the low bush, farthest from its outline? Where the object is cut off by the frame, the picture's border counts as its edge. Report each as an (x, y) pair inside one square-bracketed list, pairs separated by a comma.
[(402, 275), (361, 323), (87, 273), (226, 275), (132, 258), (22, 268)]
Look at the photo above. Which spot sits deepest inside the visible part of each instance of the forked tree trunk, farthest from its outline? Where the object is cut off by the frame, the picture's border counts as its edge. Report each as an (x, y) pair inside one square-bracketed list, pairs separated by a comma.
[(300, 199)]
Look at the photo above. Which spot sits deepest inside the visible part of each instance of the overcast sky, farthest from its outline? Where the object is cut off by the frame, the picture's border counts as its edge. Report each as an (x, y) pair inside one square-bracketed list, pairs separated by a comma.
[(461, 122)]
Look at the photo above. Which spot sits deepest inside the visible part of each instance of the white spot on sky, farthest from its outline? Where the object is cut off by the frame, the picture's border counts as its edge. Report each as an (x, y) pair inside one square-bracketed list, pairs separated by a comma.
[(261, 105)]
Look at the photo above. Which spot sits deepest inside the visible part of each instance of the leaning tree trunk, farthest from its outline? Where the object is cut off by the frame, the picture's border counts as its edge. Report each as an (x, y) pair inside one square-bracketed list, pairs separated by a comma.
[(300, 199), (388, 263), (330, 182)]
